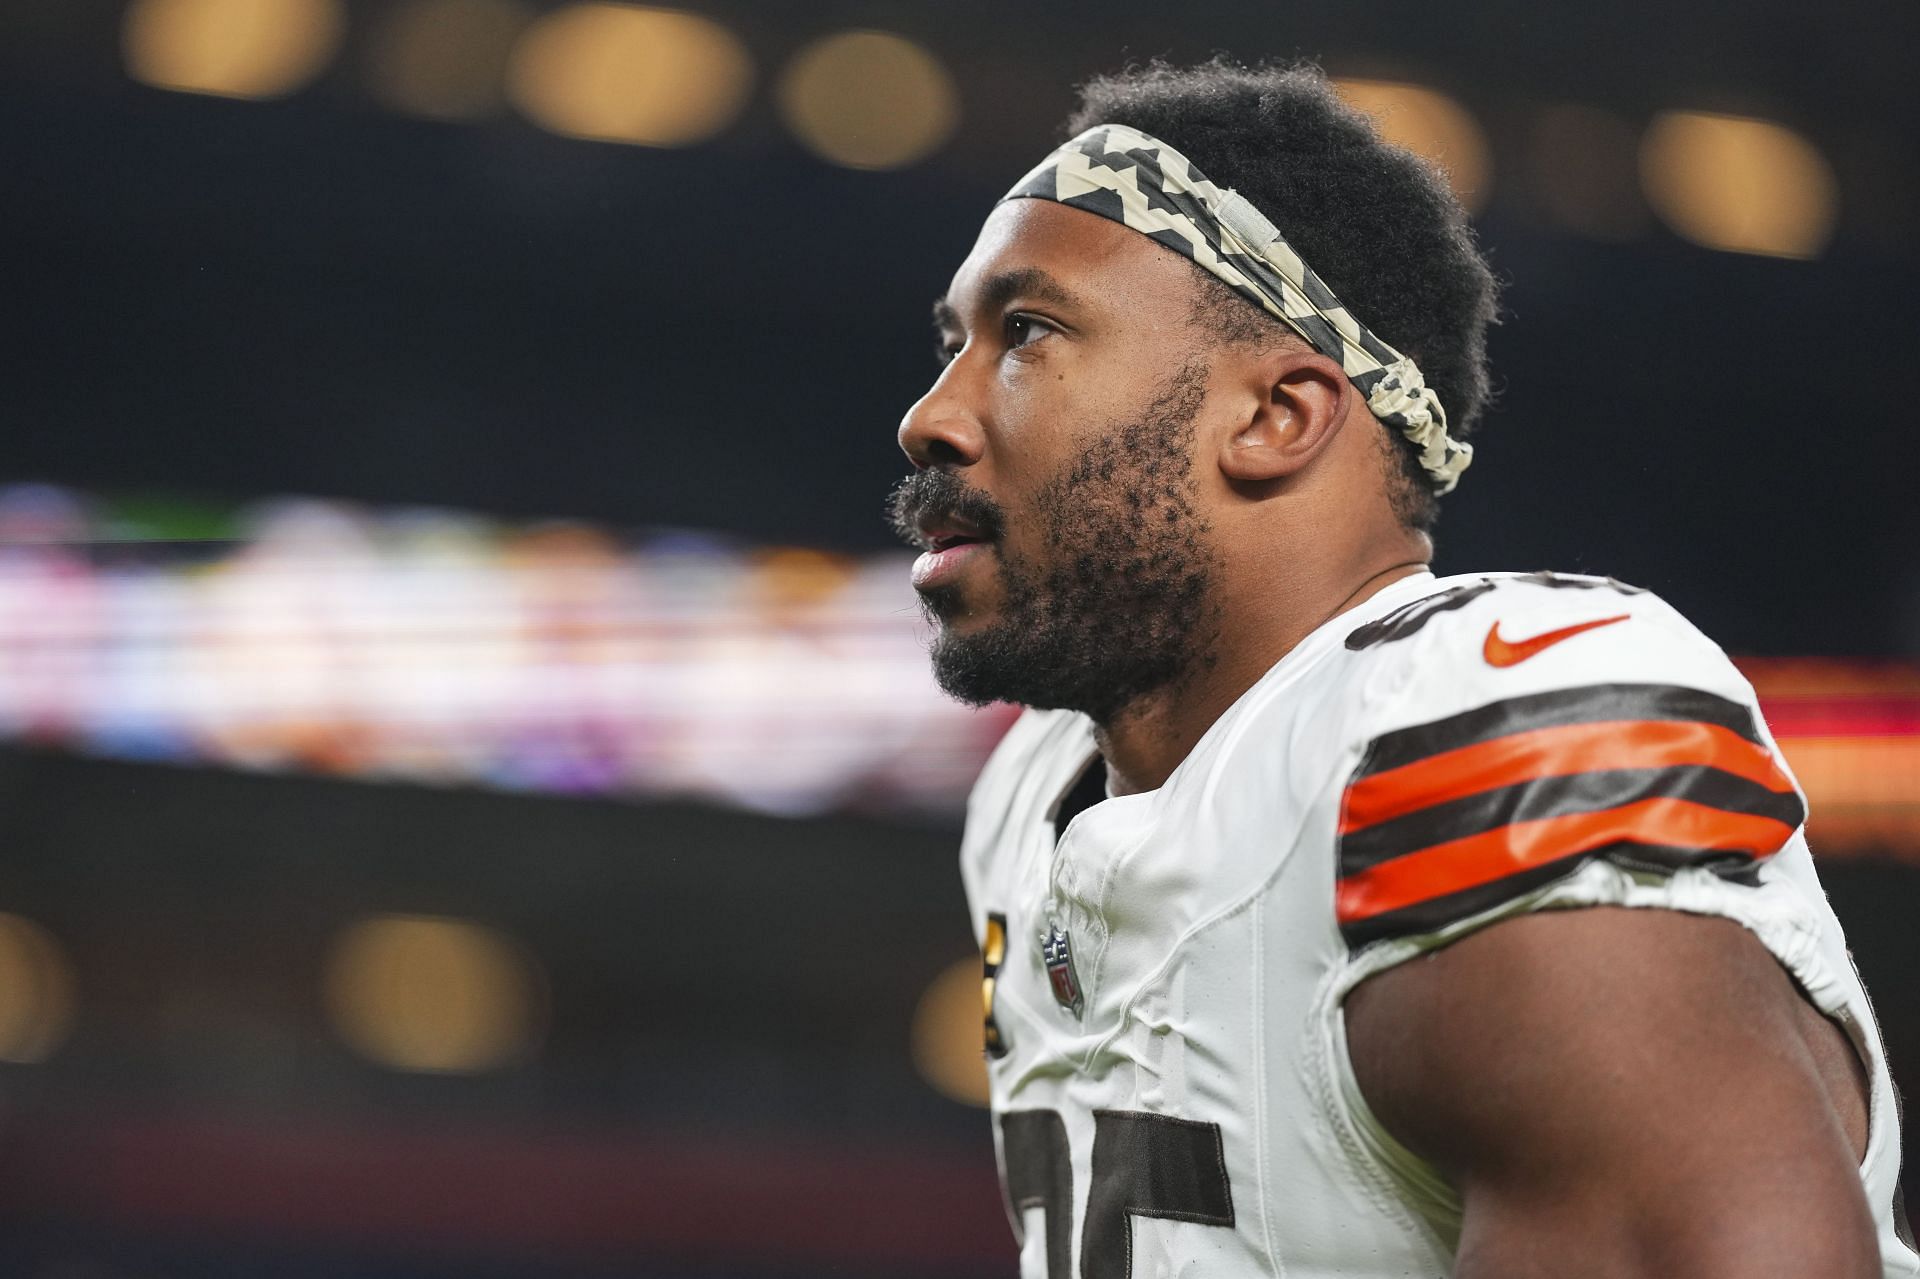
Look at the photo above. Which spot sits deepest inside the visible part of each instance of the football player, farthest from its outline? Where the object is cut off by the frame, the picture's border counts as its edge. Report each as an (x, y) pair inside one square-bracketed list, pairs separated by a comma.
[(1339, 920)]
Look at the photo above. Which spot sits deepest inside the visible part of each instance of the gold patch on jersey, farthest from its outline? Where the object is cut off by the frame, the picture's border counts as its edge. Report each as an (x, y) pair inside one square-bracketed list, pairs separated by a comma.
[(993, 953)]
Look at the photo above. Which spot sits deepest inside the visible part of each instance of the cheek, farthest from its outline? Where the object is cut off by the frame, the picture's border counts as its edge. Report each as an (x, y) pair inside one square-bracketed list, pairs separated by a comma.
[(1032, 437), (1049, 416), (1049, 413)]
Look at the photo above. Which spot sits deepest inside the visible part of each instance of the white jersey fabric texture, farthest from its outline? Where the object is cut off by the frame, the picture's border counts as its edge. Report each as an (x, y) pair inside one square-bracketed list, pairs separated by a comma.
[(1170, 1083)]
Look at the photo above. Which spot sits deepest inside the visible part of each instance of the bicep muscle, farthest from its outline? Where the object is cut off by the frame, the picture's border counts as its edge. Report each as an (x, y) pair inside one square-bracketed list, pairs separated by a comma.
[(1616, 1093)]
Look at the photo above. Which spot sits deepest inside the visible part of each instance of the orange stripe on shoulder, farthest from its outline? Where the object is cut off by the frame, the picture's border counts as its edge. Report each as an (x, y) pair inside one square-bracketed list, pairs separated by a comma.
[(1460, 864), (1554, 752)]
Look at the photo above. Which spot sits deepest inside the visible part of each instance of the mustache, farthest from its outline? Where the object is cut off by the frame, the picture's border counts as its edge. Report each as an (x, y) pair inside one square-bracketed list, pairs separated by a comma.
[(934, 493)]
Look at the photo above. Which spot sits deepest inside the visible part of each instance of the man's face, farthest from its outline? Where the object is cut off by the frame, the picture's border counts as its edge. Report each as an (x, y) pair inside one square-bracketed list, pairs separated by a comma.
[(1069, 562)]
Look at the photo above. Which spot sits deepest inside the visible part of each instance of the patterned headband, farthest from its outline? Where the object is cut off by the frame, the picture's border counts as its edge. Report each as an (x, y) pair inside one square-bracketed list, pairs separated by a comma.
[(1141, 182)]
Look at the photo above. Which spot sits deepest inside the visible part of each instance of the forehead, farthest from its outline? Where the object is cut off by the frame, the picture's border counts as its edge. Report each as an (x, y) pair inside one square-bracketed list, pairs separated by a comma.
[(1097, 259)]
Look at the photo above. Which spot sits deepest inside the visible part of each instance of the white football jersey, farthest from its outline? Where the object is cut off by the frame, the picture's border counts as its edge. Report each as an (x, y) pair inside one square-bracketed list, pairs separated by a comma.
[(1171, 1088)]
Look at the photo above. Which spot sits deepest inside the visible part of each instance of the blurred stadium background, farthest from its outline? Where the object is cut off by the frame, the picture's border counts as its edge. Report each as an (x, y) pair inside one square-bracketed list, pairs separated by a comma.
[(471, 798)]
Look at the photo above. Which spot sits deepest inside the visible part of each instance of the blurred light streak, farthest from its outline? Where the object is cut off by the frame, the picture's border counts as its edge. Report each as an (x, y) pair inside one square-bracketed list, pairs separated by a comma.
[(445, 59), (1583, 163), (627, 73), (948, 1035), (1739, 184), (869, 100), (1431, 125), (1851, 735), (420, 993), (36, 991), (230, 48), (440, 647)]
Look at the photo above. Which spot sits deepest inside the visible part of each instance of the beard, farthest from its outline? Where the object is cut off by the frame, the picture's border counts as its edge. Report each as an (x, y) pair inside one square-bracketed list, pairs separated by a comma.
[(1123, 603)]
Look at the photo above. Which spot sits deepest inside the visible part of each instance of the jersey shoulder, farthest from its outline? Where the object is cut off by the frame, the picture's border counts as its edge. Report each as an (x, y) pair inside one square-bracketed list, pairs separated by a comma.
[(1526, 725), (1489, 636)]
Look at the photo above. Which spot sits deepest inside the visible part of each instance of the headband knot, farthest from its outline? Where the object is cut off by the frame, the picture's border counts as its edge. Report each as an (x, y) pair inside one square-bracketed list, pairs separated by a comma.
[(1399, 391), (1140, 182)]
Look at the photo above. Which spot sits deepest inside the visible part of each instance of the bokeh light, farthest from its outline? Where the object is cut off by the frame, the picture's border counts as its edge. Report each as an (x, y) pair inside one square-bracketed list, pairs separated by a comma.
[(230, 48), (423, 993), (869, 100), (1583, 169), (626, 73), (1739, 184), (36, 991), (949, 1046), (1431, 125), (445, 59)]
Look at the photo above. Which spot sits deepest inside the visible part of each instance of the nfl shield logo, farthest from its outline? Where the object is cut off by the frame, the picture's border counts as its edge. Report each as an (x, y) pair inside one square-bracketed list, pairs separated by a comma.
[(1057, 951)]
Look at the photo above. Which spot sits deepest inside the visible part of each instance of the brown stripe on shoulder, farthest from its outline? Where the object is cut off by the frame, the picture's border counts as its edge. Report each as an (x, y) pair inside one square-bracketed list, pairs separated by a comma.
[(1549, 797), (1591, 703), (1432, 914)]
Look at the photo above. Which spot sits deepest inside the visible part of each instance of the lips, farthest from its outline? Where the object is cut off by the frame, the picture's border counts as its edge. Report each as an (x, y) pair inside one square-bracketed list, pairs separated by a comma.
[(951, 542), (941, 564), (944, 532), (948, 519)]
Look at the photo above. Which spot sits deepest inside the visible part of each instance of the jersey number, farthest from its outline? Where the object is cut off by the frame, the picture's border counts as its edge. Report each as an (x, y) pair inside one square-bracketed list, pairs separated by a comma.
[(1144, 1165)]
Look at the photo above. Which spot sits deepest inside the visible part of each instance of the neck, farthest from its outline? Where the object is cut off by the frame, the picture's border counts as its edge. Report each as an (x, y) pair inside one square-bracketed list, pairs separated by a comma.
[(1146, 740)]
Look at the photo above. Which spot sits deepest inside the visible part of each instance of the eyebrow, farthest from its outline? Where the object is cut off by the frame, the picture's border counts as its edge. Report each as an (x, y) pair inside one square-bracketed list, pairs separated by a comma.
[(998, 290)]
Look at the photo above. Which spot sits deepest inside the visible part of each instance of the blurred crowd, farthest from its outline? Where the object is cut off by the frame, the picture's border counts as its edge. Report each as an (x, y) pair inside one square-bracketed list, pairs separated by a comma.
[(436, 646)]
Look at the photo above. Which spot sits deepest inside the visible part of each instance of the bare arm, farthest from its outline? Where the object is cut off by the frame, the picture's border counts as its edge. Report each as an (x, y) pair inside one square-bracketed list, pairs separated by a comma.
[(1619, 1094)]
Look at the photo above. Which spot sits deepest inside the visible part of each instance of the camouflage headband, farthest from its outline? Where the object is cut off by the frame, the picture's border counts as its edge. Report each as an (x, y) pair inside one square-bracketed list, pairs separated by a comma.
[(1141, 182)]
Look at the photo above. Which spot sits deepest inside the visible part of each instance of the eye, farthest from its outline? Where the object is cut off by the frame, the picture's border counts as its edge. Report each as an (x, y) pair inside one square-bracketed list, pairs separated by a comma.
[(1023, 329), (946, 348)]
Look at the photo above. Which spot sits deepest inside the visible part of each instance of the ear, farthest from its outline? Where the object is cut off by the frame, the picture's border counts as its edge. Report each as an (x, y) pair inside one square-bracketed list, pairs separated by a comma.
[(1299, 401)]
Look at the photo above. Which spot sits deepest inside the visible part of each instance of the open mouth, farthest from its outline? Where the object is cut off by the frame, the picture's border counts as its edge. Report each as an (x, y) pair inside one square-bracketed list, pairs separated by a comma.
[(946, 556)]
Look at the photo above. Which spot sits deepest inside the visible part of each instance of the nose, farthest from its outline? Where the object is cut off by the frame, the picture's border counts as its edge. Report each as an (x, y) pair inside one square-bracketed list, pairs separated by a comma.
[(941, 429)]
